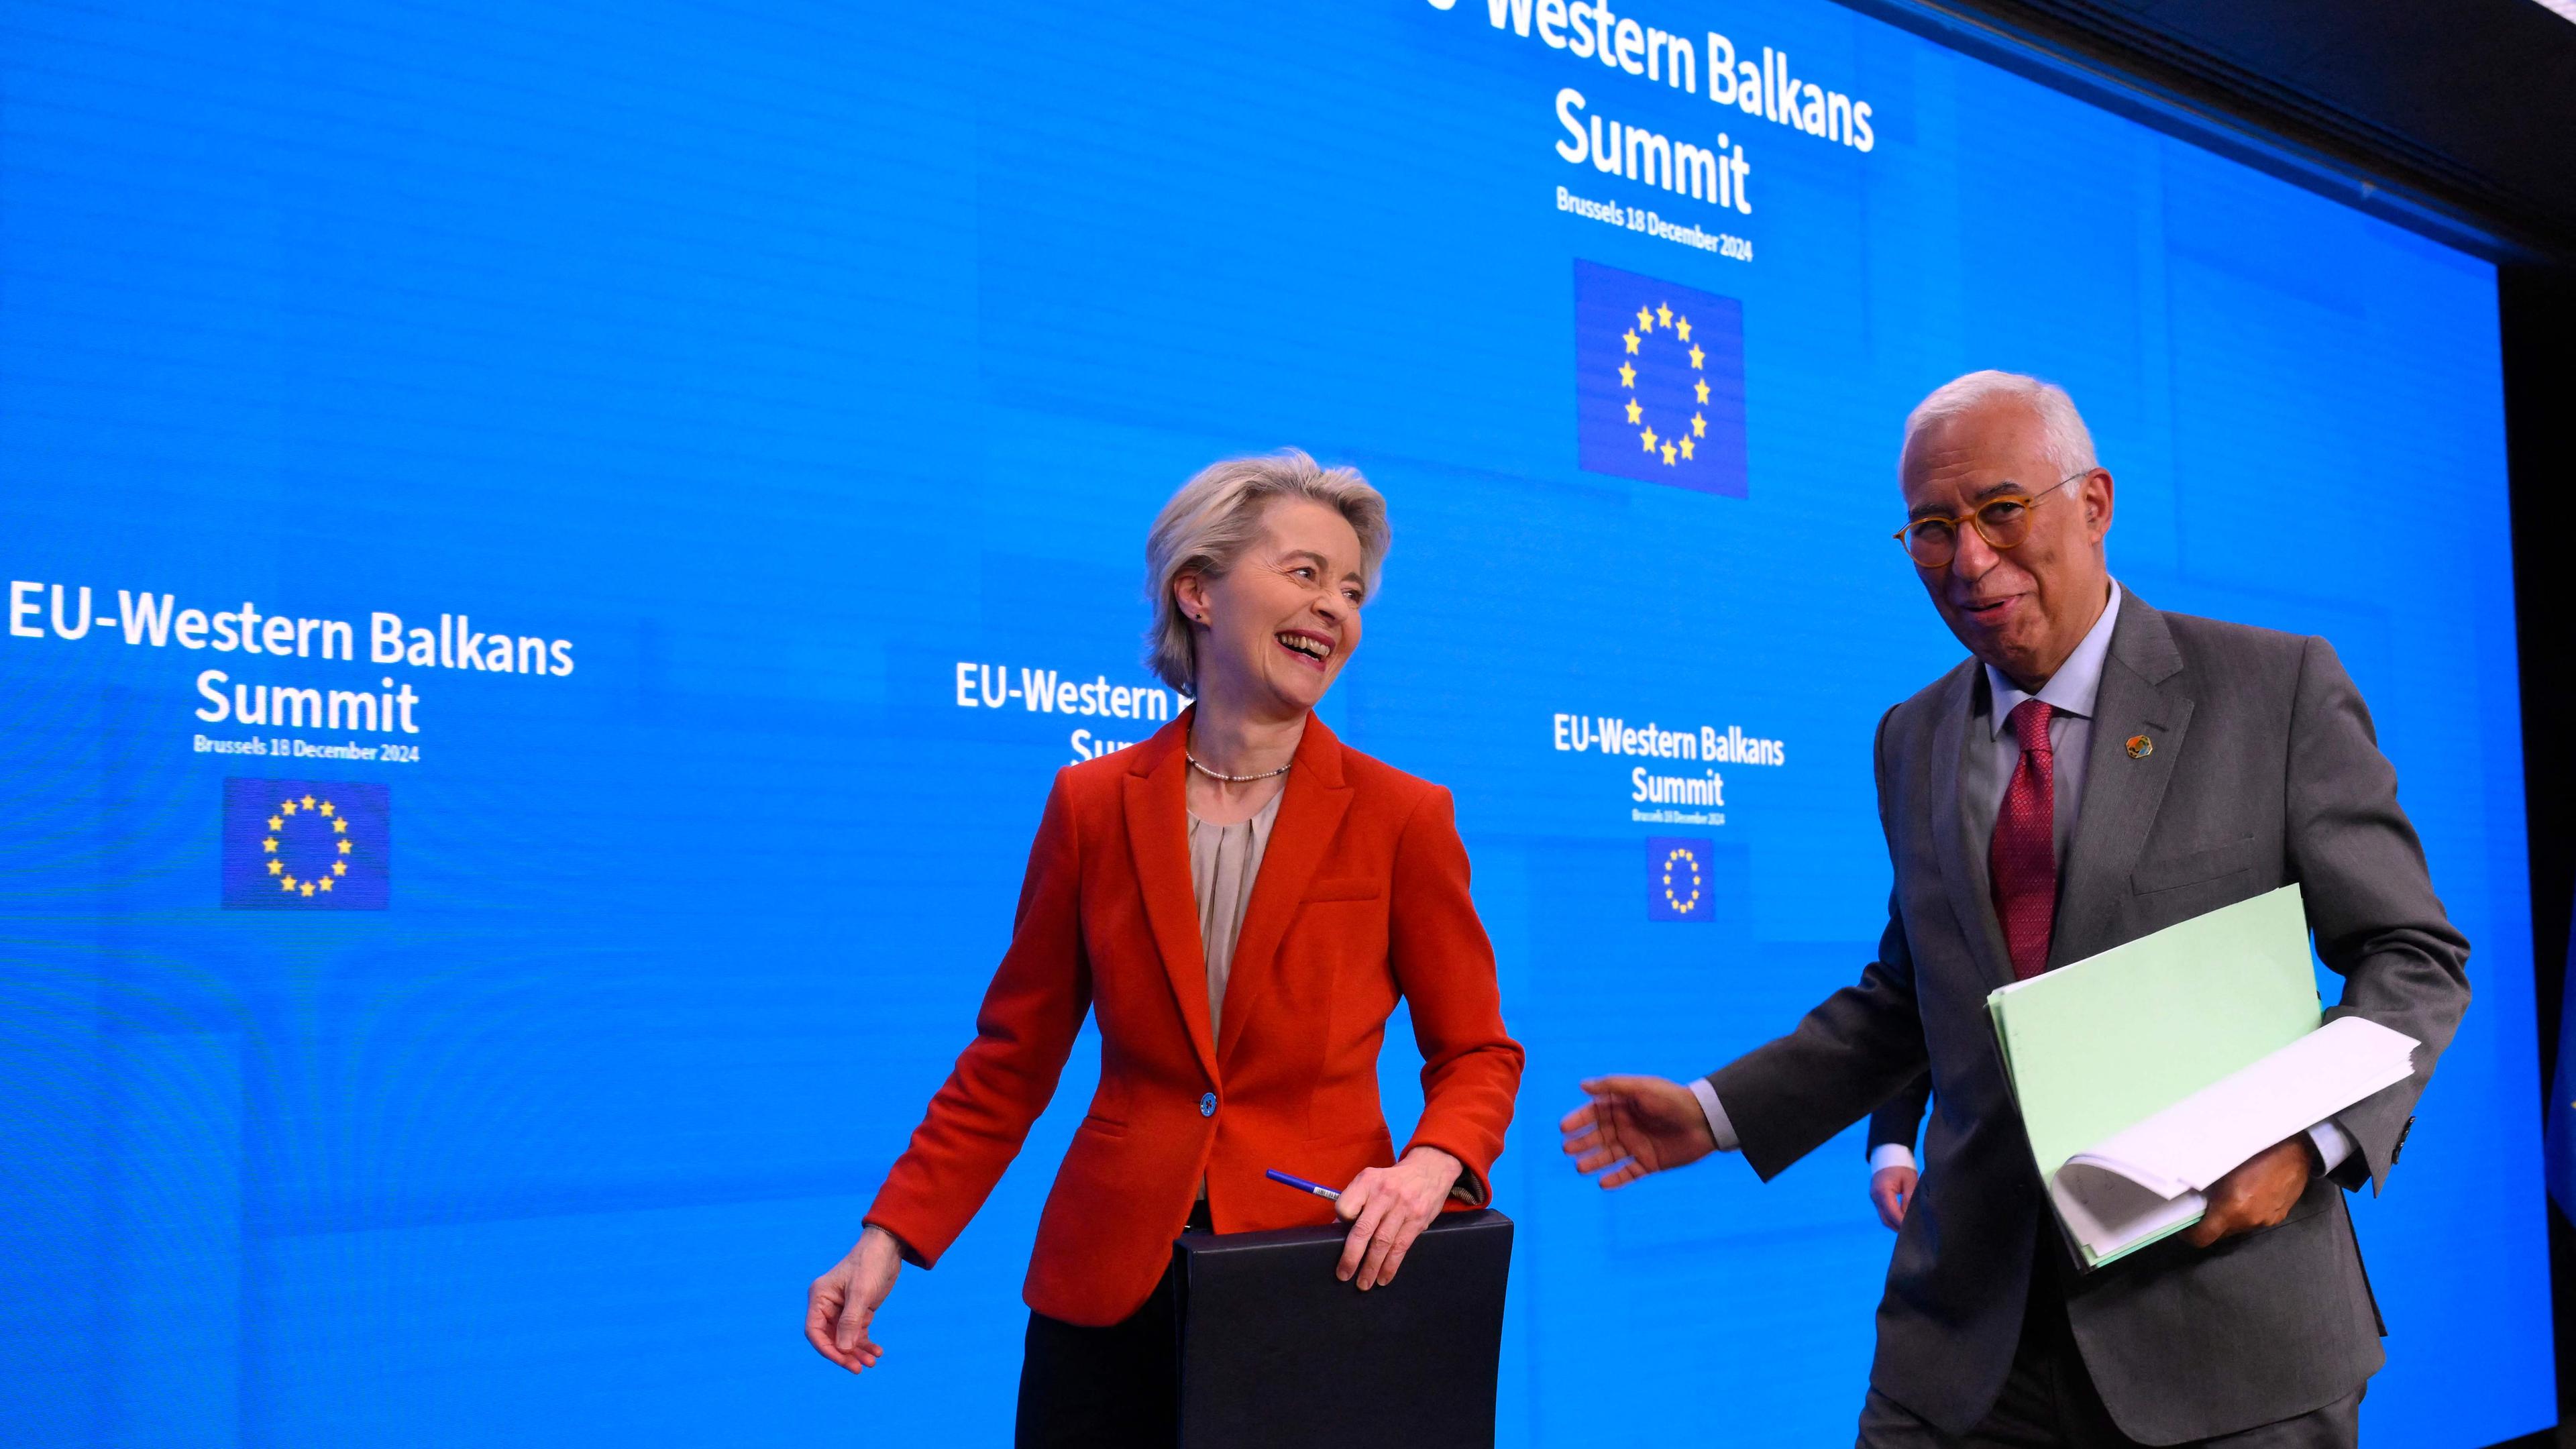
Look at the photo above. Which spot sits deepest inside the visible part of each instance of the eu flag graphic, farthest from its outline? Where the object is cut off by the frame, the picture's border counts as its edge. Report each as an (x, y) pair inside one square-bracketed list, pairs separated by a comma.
[(306, 845), (1677, 883), (1658, 381)]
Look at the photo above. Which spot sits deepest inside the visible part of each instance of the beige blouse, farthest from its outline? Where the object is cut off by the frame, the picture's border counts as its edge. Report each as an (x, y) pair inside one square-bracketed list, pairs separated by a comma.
[(1224, 860)]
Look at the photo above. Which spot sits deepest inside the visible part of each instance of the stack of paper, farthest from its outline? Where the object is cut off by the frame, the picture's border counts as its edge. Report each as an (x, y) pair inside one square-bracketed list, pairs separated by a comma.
[(2146, 1073)]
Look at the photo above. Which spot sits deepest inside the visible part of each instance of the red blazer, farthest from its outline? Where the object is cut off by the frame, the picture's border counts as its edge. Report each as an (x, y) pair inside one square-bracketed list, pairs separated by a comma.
[(1362, 898)]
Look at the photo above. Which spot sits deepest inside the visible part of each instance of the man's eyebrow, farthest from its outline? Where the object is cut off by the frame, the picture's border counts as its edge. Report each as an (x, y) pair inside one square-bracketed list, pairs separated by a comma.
[(2001, 487)]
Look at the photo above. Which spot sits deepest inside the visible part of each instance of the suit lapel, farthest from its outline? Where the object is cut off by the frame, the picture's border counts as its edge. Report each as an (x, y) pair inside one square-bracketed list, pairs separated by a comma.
[(1157, 817), (1310, 815), (2139, 696), (1962, 865)]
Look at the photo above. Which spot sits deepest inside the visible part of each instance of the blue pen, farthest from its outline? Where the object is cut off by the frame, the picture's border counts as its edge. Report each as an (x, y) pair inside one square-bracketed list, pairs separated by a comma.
[(1302, 1185)]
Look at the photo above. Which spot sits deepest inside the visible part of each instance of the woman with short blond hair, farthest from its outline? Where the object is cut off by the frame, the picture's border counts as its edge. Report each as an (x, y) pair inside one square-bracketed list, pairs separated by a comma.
[(1241, 900)]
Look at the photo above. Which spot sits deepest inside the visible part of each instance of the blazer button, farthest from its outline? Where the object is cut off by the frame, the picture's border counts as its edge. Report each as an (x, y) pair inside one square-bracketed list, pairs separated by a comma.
[(1207, 1105)]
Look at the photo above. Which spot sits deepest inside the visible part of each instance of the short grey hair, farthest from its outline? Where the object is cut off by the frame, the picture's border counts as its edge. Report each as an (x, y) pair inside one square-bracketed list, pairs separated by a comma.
[(2068, 442), (1217, 515)]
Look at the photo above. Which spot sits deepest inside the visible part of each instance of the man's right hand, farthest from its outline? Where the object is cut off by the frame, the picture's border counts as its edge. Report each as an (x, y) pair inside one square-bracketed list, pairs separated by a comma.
[(1640, 1124), (840, 1304), (1891, 1189)]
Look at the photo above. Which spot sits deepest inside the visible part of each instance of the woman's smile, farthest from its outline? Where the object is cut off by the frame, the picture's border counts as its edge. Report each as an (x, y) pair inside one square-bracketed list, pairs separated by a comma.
[(1310, 648)]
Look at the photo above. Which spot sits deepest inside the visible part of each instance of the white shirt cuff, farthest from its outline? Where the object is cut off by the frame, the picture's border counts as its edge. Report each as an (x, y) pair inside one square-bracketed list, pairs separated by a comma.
[(2333, 1143), (1718, 1126), (1889, 1154)]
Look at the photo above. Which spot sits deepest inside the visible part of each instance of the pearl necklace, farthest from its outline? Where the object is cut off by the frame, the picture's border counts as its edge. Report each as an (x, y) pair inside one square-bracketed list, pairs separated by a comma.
[(1233, 779)]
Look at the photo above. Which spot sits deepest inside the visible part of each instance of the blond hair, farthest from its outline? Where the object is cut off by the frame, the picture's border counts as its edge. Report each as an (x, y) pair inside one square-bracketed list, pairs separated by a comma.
[(1216, 515)]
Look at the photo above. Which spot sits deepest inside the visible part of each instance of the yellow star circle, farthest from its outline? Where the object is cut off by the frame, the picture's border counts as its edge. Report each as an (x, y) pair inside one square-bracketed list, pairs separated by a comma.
[(1648, 319), (287, 881), (1683, 887)]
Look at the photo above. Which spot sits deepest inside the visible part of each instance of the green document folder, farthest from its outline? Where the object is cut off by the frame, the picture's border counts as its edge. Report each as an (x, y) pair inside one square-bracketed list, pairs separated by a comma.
[(2105, 1043)]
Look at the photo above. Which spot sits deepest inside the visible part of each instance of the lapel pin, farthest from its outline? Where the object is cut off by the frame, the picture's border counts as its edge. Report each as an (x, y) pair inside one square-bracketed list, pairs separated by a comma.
[(2140, 747)]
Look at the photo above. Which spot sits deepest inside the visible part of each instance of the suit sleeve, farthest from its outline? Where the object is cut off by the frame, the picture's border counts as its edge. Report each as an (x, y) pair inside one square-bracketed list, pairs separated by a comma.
[(1899, 1119), (1444, 965), (1854, 1051), (2369, 897), (1007, 1075)]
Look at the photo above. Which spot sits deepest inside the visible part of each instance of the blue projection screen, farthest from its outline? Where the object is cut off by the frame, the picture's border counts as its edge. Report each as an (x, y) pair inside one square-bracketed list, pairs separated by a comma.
[(658, 490)]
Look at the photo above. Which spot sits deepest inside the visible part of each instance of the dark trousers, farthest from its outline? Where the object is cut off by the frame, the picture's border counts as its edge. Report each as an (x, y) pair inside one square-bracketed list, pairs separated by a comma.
[(1105, 1388), (2049, 1401)]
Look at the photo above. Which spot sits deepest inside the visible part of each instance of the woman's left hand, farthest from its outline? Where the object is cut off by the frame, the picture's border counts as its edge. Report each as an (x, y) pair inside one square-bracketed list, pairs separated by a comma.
[(1387, 1208)]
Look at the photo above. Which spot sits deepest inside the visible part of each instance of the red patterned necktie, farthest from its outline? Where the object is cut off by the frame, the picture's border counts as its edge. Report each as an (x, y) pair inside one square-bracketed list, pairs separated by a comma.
[(2022, 859)]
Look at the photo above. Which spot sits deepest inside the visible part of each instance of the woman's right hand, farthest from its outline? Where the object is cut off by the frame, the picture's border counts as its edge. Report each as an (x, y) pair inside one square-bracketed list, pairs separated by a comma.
[(840, 1305)]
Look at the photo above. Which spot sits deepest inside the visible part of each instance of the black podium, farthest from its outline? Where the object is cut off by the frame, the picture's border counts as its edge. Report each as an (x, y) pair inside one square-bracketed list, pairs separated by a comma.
[(1276, 1351)]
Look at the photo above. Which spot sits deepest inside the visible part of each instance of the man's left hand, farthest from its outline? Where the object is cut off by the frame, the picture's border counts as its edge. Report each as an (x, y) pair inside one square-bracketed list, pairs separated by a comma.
[(1891, 1191), (2258, 1194), (1387, 1208)]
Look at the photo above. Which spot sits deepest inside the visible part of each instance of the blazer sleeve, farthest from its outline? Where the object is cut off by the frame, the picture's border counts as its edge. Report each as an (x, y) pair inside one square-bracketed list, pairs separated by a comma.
[(1899, 1119), (2369, 897), (1860, 1046), (1006, 1076), (1444, 965)]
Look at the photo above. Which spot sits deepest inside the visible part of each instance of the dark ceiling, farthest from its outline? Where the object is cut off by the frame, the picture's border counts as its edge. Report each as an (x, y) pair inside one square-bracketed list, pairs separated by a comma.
[(2462, 107)]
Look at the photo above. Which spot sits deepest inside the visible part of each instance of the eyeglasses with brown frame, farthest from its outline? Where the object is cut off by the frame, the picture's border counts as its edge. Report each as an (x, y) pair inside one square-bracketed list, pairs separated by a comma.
[(2003, 521)]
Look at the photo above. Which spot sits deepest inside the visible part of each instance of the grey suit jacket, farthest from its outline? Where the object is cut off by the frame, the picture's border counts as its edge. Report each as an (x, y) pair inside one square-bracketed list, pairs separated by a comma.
[(2263, 770), (1899, 1119)]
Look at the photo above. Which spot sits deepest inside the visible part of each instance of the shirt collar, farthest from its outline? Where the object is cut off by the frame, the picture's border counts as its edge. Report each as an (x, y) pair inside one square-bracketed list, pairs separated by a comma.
[(2075, 685)]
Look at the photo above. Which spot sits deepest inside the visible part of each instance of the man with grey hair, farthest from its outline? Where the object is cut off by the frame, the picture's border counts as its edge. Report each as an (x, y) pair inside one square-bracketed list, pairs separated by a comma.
[(2095, 771)]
